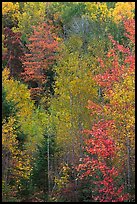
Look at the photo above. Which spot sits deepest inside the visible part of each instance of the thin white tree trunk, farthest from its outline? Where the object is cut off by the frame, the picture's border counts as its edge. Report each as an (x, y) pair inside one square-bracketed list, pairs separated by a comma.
[(71, 129), (128, 165), (48, 163)]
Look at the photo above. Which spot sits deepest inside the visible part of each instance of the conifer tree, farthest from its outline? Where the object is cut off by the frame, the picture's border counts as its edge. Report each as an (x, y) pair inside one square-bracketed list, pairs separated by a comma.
[(40, 58)]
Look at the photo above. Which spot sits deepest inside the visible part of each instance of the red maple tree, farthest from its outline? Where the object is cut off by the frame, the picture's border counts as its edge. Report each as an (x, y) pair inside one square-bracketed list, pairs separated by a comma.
[(97, 166), (119, 68)]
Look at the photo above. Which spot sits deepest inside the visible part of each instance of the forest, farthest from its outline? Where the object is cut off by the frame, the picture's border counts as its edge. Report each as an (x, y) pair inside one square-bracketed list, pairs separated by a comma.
[(68, 101)]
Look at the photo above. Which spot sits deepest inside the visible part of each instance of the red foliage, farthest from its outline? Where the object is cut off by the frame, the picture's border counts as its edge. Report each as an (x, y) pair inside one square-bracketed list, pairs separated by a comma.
[(101, 144), (41, 56), (97, 166), (130, 29), (95, 107), (118, 70)]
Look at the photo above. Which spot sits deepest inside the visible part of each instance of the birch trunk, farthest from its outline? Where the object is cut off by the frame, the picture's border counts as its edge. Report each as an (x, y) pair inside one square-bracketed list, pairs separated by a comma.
[(128, 165), (71, 129), (48, 152)]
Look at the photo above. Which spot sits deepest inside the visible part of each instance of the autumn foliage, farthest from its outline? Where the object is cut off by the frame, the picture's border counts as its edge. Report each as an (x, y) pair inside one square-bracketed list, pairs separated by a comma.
[(40, 57), (103, 147), (68, 101), (14, 53), (97, 166), (119, 70)]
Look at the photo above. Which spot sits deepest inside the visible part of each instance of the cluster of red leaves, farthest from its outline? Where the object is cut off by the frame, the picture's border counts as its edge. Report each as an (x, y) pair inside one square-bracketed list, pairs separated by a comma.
[(42, 48), (94, 107), (97, 166), (118, 70), (130, 29), (100, 144)]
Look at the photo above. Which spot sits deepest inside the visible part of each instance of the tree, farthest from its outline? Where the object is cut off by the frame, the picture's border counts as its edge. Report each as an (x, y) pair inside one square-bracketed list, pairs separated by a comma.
[(39, 60), (104, 180), (22, 131), (14, 53), (117, 83), (73, 85)]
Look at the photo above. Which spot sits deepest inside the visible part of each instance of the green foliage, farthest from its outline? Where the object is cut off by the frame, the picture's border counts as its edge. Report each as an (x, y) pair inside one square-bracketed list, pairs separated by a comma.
[(26, 131), (110, 4), (8, 108), (63, 180), (20, 96), (7, 193), (32, 13), (66, 10), (72, 10)]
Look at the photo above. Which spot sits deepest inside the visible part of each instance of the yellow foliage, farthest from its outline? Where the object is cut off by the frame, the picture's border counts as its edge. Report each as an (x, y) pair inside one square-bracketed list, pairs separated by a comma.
[(25, 122), (9, 140), (19, 94), (74, 86), (64, 179), (19, 160), (9, 8), (123, 10), (122, 111), (98, 11)]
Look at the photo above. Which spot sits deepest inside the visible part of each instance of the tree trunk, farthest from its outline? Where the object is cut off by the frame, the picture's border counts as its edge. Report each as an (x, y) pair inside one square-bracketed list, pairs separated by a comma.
[(128, 165), (48, 154)]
